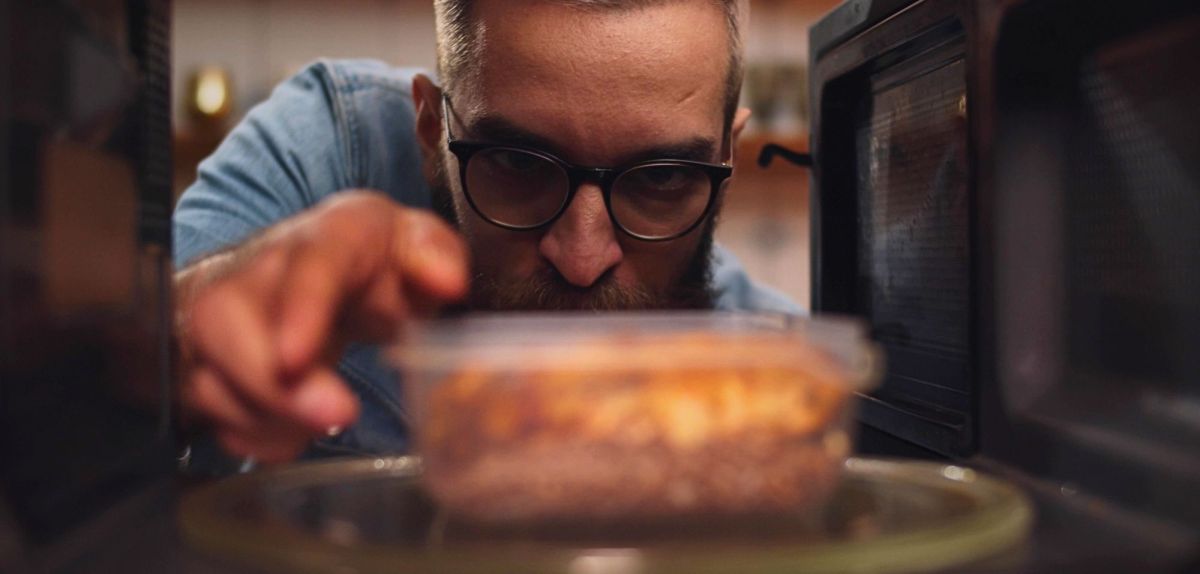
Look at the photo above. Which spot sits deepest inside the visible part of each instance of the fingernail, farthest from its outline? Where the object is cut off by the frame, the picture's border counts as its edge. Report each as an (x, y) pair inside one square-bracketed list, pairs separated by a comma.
[(333, 431)]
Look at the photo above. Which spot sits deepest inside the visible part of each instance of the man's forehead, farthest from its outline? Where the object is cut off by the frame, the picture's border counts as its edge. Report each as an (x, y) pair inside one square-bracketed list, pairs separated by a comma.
[(685, 34), (656, 71)]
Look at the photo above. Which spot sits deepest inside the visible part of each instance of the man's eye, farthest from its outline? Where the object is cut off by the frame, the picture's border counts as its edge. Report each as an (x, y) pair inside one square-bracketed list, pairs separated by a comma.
[(660, 177), (516, 161)]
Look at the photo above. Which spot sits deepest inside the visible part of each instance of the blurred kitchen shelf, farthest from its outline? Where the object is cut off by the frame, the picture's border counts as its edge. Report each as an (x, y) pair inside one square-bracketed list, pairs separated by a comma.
[(779, 189), (750, 145)]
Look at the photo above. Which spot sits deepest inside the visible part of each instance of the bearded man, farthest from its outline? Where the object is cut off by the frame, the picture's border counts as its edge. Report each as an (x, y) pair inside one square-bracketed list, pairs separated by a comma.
[(574, 156)]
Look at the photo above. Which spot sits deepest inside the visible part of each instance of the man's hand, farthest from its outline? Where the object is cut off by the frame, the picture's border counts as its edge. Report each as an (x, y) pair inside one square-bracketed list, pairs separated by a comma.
[(261, 326)]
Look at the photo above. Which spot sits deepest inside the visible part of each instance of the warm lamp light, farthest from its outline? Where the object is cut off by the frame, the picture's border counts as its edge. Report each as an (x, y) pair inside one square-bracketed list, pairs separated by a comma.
[(210, 94)]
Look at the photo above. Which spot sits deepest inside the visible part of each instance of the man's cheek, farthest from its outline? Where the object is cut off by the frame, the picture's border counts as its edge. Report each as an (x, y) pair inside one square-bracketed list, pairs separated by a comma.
[(657, 266)]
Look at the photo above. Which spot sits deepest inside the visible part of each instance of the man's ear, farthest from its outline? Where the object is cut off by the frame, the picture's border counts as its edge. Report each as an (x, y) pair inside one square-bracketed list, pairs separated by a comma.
[(739, 122), (427, 99)]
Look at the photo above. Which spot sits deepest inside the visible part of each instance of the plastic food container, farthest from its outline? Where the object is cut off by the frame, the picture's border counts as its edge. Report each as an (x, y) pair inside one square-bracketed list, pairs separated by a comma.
[(568, 417)]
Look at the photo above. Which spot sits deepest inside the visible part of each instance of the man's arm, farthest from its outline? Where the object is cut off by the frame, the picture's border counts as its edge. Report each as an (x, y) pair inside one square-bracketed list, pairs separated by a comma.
[(273, 279), (261, 325), (283, 157)]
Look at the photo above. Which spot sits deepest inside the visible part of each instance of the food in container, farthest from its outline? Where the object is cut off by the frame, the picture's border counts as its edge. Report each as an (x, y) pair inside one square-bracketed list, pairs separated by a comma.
[(567, 417)]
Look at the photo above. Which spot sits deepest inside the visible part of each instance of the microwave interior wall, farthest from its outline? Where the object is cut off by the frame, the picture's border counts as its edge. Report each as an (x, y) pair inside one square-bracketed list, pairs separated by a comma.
[(86, 422), (1095, 285)]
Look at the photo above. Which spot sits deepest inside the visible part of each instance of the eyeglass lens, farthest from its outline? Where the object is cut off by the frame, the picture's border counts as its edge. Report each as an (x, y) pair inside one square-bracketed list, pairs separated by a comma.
[(523, 189), (515, 187)]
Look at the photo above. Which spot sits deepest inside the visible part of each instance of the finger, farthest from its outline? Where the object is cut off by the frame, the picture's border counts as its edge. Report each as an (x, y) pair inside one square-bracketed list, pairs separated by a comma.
[(323, 401), (432, 257), (309, 303), (230, 333), (349, 258), (340, 249), (211, 396), (378, 311)]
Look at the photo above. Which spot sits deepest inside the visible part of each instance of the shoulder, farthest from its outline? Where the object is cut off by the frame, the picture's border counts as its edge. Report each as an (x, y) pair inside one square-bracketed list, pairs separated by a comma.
[(334, 125), (373, 107), (735, 291), (362, 95), (351, 76)]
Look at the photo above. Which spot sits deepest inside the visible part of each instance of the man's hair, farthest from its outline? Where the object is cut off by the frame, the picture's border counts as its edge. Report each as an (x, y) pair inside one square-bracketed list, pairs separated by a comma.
[(458, 50)]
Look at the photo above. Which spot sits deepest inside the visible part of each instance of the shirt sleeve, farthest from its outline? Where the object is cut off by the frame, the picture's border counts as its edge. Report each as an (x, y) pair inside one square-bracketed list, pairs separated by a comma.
[(284, 156)]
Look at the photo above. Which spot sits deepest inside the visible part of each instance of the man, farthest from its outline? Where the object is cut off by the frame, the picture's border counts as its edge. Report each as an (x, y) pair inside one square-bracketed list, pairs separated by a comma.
[(290, 266)]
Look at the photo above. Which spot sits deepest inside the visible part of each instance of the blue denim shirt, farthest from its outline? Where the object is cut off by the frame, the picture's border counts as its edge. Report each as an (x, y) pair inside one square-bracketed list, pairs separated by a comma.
[(347, 125)]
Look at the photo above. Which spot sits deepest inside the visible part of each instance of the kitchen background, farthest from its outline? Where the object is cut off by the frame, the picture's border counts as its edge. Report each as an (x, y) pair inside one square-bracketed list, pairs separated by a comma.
[(228, 54)]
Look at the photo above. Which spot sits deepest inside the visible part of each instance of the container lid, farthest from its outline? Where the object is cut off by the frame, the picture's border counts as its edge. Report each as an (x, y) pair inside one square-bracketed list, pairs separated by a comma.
[(831, 348)]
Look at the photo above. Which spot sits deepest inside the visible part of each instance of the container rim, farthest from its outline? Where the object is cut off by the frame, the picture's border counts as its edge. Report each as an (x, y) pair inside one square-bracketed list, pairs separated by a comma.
[(828, 348)]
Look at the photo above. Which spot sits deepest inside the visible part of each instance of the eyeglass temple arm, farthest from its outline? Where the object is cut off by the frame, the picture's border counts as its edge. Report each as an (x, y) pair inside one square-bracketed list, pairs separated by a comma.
[(771, 150), (446, 113)]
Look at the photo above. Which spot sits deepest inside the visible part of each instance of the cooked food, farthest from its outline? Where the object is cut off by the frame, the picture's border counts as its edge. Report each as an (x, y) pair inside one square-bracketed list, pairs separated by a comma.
[(639, 429)]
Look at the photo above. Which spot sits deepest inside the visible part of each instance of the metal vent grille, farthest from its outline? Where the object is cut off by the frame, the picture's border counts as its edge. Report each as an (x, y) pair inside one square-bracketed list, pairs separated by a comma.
[(913, 213), (150, 29)]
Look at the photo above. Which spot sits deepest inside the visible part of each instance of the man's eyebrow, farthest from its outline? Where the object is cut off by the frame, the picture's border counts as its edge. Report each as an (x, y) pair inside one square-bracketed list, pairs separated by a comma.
[(499, 130), (698, 148), (496, 129)]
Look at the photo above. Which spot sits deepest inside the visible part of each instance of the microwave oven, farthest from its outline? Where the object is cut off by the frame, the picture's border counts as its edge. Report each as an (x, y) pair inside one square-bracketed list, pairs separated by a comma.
[(1005, 190), (1008, 192)]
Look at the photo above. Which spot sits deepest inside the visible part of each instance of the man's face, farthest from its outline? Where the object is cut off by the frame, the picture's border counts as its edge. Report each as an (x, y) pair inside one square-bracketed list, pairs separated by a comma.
[(597, 88)]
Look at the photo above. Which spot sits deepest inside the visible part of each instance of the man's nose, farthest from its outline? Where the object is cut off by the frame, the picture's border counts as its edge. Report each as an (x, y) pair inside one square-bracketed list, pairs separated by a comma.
[(582, 243)]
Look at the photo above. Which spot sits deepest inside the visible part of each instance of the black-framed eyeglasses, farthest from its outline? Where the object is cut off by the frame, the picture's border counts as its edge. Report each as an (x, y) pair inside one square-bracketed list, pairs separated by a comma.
[(521, 188)]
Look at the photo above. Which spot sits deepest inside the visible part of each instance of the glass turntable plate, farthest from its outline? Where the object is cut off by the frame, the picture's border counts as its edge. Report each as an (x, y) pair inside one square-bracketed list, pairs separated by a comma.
[(369, 515)]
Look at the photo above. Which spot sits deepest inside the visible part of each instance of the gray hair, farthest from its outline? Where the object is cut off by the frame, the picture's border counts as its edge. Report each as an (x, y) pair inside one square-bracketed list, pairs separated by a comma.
[(457, 48)]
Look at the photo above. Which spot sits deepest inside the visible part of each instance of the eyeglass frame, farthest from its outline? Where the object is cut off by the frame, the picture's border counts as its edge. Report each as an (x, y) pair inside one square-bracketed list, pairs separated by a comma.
[(464, 150)]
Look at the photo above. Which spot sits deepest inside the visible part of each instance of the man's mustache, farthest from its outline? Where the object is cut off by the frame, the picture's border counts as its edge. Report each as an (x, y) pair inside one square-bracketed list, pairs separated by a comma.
[(547, 289)]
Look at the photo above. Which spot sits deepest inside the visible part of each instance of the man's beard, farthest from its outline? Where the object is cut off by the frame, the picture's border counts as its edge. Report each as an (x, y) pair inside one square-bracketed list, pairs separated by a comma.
[(548, 290)]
